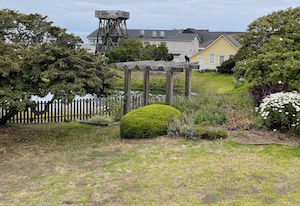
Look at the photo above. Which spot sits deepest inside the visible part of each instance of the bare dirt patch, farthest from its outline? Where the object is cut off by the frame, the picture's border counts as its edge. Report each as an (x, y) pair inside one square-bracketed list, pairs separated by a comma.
[(263, 137)]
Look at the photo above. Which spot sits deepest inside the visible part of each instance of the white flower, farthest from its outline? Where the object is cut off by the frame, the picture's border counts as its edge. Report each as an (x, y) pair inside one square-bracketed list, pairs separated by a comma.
[(281, 102)]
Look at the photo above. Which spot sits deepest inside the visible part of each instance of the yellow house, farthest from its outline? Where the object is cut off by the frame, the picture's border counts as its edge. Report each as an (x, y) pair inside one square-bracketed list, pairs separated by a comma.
[(220, 50)]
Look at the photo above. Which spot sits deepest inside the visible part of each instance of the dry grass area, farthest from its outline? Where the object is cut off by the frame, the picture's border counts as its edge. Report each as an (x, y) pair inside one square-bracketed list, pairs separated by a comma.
[(76, 164)]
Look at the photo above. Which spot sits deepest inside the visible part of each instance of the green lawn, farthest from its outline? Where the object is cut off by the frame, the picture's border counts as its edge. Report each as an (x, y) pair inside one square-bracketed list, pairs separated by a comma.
[(77, 164), (211, 82), (215, 83)]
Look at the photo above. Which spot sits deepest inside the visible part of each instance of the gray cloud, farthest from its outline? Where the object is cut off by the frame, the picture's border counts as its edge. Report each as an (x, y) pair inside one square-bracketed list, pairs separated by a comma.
[(216, 15)]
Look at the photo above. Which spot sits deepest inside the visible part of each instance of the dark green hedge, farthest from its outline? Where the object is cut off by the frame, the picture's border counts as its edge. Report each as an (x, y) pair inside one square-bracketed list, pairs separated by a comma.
[(148, 121)]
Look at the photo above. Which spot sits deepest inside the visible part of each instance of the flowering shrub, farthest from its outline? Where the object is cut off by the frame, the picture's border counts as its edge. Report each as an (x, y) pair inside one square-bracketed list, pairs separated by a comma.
[(281, 111)]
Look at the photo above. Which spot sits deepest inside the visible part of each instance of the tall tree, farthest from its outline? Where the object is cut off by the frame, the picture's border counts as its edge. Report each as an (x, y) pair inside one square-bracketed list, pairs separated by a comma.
[(37, 58), (271, 49), (133, 50)]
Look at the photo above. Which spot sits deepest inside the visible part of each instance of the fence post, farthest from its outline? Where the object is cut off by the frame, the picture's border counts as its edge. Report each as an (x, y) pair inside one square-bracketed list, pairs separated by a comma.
[(188, 82), (127, 88)]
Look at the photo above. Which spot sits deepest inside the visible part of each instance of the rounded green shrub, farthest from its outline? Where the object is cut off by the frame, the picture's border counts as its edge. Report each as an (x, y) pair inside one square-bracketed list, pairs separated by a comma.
[(148, 121)]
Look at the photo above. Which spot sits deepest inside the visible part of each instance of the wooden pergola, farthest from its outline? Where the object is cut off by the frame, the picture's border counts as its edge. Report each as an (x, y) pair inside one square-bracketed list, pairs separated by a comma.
[(147, 66)]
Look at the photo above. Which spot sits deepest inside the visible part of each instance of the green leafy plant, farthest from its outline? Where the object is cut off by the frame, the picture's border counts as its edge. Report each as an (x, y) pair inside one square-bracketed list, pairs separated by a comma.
[(270, 51), (185, 127), (226, 66), (37, 58), (258, 93), (281, 111), (100, 119), (234, 110), (209, 134), (148, 121), (133, 49), (115, 108)]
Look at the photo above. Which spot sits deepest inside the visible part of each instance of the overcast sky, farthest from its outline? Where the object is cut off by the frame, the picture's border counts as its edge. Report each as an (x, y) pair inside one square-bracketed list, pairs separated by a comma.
[(78, 16)]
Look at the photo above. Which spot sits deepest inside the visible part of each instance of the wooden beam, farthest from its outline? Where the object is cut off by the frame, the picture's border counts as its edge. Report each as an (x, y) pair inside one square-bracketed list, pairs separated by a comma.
[(127, 89), (176, 69), (152, 65), (169, 90), (146, 86)]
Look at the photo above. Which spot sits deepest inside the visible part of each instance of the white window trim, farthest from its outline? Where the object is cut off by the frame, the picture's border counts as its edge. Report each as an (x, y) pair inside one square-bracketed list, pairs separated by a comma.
[(220, 59), (214, 60)]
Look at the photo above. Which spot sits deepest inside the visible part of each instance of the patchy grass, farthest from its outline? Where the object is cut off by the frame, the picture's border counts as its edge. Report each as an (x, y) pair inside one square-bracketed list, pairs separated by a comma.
[(77, 164)]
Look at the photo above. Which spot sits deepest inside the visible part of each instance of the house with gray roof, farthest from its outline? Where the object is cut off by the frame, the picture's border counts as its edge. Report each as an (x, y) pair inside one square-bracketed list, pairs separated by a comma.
[(179, 42)]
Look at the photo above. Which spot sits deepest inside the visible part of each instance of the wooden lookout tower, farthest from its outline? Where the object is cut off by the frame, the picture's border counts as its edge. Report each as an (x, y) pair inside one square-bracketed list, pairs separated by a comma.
[(112, 29)]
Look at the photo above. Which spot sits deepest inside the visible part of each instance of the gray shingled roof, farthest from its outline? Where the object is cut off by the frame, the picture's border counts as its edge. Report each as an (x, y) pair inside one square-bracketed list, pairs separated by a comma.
[(93, 34), (233, 41), (169, 34), (205, 36)]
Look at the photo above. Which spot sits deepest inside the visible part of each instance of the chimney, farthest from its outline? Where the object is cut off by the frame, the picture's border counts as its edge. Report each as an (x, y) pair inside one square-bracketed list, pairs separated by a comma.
[(161, 34), (154, 34), (142, 34)]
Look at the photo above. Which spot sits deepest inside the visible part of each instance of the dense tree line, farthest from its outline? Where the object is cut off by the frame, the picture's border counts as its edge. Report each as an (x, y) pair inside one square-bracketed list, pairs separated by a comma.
[(271, 50), (37, 58), (133, 50)]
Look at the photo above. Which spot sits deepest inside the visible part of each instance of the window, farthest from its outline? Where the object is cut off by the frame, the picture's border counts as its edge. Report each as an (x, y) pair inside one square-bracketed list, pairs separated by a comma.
[(221, 59), (231, 56), (212, 58), (163, 43), (146, 43), (92, 42)]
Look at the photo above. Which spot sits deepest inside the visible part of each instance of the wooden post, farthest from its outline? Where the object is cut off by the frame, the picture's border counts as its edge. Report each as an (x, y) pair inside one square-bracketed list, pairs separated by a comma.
[(169, 91), (188, 81), (127, 88), (146, 87)]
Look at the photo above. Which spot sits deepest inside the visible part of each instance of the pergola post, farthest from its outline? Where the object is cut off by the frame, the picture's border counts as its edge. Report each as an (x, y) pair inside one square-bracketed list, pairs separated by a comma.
[(146, 86), (188, 81), (127, 89), (147, 66), (169, 89)]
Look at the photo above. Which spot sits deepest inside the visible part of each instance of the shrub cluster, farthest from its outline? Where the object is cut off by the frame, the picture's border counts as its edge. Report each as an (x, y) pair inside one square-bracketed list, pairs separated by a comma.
[(226, 66), (210, 134), (258, 93), (148, 121), (236, 111), (185, 127), (281, 111)]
